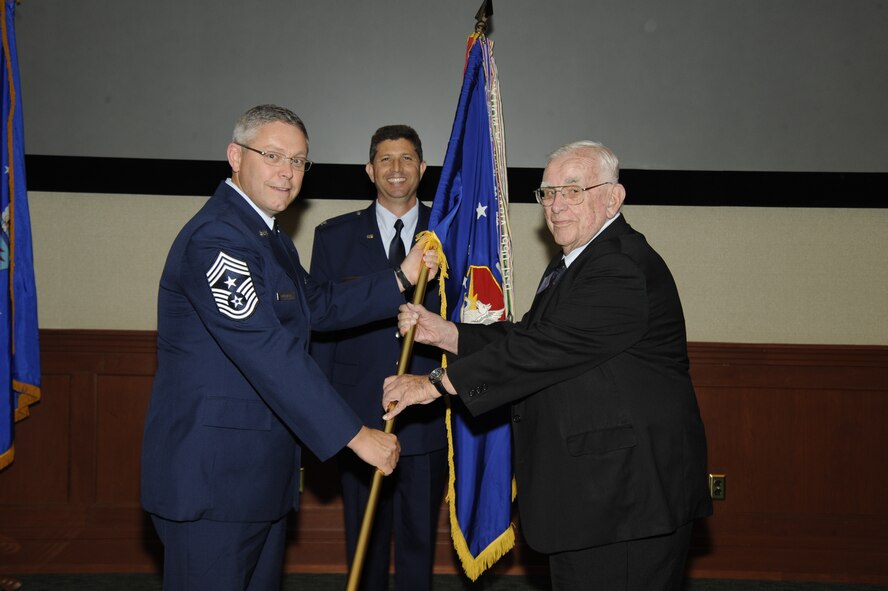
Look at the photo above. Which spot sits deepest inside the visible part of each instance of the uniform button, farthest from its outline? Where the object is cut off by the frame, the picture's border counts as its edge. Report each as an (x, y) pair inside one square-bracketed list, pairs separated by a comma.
[(516, 419)]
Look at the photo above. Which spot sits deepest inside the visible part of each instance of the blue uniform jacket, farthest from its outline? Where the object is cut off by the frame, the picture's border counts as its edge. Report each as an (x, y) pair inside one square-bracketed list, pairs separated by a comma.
[(236, 393), (359, 359)]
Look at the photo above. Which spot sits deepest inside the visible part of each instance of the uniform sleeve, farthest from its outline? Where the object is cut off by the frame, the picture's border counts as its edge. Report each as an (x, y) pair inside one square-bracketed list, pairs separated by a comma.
[(323, 347), (229, 285), (337, 305)]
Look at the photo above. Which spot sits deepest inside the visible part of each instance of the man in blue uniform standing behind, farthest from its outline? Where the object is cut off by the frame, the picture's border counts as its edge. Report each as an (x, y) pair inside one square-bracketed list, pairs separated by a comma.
[(236, 393), (358, 360)]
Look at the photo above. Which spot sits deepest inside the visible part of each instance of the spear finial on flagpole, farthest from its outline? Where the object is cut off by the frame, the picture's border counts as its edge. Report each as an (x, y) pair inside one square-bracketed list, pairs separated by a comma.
[(483, 15)]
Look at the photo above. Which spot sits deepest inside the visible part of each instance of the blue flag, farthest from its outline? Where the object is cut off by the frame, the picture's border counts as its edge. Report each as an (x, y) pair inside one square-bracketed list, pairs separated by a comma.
[(470, 218), (19, 346)]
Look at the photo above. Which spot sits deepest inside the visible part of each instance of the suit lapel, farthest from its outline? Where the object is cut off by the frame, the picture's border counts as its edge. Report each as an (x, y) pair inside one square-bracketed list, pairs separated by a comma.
[(540, 299), (285, 252), (282, 254), (617, 227), (369, 245), (370, 240), (424, 214), (282, 250)]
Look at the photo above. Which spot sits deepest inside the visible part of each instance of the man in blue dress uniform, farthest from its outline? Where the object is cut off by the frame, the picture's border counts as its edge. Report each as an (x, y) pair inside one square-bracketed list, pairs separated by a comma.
[(358, 360), (236, 394)]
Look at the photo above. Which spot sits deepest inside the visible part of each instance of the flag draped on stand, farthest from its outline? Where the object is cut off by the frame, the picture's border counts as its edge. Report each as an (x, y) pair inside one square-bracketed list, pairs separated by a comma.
[(470, 218), (19, 347)]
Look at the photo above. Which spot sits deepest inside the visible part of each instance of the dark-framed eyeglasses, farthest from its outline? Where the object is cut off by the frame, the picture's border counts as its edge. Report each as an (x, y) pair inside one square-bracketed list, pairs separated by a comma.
[(572, 194), (278, 159)]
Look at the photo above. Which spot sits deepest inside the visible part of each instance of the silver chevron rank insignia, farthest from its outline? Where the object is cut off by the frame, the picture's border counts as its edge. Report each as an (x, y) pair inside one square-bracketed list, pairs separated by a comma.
[(232, 287)]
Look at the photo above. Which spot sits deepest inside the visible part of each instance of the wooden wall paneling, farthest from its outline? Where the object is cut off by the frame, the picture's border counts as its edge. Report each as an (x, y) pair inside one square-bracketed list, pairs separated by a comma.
[(797, 429), (82, 467), (798, 432), (315, 533), (97, 524), (39, 474), (121, 404)]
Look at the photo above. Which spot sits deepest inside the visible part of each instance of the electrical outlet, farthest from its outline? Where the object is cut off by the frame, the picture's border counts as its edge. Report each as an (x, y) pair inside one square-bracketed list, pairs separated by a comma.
[(717, 484)]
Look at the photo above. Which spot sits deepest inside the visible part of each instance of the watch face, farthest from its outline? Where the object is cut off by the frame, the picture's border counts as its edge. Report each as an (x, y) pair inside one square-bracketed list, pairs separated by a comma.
[(436, 375)]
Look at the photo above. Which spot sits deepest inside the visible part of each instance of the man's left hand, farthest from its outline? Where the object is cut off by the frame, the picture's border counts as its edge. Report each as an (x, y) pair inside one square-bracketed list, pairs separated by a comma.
[(404, 391)]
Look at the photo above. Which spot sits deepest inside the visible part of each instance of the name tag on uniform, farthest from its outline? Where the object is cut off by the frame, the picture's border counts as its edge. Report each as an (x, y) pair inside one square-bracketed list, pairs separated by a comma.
[(284, 296)]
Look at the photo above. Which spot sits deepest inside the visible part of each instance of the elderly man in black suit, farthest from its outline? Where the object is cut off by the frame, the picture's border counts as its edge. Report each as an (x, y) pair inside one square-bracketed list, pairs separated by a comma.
[(609, 448)]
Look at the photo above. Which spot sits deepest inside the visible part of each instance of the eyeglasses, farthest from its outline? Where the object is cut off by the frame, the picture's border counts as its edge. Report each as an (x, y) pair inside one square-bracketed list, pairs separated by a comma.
[(278, 159), (572, 194)]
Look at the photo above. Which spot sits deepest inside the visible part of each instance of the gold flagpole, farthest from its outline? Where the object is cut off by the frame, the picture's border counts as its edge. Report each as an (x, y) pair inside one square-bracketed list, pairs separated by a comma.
[(354, 573)]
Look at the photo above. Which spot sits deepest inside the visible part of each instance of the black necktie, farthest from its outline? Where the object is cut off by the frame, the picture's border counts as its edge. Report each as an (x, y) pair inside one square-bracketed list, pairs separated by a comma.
[(396, 252), (551, 279)]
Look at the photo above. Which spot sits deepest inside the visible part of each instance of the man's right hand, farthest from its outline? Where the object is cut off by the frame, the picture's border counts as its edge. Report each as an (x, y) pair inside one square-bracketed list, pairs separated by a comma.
[(377, 448)]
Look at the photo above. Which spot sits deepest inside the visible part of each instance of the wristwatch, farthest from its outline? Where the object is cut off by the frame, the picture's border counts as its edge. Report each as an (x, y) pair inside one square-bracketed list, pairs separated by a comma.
[(435, 377), (403, 277)]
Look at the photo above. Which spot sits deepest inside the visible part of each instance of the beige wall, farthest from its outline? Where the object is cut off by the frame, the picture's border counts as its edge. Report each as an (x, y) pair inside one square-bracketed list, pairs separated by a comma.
[(745, 274)]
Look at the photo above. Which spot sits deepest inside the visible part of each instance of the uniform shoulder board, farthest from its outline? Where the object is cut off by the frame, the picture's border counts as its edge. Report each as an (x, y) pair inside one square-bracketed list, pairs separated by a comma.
[(340, 219)]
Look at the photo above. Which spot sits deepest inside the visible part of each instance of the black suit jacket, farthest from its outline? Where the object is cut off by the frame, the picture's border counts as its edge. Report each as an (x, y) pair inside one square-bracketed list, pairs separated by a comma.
[(608, 441)]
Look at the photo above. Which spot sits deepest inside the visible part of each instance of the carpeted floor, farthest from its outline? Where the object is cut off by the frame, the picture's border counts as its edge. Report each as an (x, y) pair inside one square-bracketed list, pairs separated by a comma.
[(333, 582)]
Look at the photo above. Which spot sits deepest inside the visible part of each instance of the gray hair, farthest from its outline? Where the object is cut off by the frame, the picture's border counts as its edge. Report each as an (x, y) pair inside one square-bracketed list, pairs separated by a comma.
[(608, 163), (250, 122)]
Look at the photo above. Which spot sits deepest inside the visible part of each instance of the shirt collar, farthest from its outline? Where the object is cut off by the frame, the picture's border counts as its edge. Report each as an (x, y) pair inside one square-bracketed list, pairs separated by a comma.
[(569, 258), (267, 218), (385, 220)]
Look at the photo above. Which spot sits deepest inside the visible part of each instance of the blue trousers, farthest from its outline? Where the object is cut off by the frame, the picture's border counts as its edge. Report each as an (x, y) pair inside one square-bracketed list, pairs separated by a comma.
[(409, 506), (208, 555)]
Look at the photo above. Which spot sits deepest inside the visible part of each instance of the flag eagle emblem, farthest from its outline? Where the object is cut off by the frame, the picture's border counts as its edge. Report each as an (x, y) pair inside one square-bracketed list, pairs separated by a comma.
[(484, 303), (232, 287)]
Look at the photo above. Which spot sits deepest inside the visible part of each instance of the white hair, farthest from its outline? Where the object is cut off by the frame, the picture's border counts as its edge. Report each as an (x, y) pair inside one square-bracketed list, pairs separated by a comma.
[(608, 163)]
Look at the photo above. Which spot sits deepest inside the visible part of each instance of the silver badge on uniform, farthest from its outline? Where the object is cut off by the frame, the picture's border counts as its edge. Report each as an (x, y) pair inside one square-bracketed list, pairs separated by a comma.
[(232, 287)]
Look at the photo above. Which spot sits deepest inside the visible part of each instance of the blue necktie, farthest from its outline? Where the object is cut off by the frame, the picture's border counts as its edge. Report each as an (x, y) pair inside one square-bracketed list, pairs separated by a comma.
[(552, 277)]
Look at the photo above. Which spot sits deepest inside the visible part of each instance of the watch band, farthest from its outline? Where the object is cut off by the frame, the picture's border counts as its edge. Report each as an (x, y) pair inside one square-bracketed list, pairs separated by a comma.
[(403, 278), (435, 377)]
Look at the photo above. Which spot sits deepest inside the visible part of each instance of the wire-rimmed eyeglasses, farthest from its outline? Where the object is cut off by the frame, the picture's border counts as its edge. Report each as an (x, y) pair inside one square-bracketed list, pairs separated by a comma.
[(278, 159), (572, 194)]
